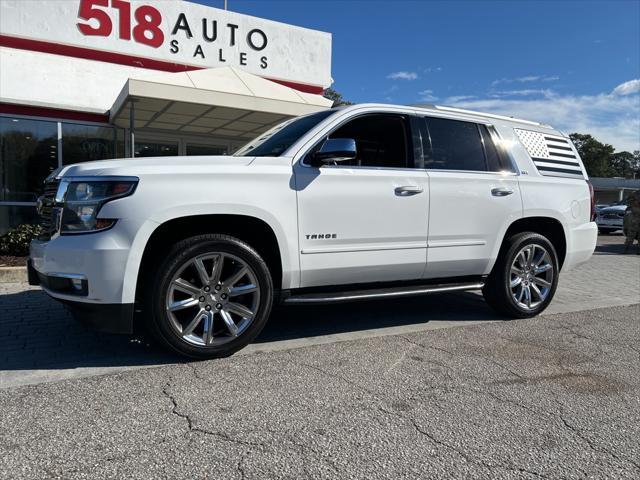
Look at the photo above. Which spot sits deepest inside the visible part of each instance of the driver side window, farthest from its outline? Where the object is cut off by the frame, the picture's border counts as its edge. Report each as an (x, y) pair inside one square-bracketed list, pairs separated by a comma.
[(381, 139)]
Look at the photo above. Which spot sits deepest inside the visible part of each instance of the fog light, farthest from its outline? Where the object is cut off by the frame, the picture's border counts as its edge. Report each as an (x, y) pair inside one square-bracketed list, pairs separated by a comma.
[(77, 283)]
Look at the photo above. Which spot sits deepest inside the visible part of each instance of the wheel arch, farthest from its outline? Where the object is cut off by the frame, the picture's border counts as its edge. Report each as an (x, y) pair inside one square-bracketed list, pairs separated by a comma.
[(252, 230), (549, 227)]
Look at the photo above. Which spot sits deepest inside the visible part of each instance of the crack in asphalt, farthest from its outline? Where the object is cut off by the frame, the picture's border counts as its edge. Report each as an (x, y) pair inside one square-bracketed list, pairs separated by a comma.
[(192, 428), (448, 370), (540, 413), (592, 445), (240, 466), (340, 377), (490, 360), (470, 458)]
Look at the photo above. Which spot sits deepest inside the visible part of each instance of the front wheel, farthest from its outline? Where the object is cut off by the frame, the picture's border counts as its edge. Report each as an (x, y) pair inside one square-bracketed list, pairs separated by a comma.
[(524, 278), (210, 297)]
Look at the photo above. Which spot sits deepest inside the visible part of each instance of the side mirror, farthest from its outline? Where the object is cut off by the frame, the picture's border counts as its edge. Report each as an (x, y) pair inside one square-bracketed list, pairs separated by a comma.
[(335, 150)]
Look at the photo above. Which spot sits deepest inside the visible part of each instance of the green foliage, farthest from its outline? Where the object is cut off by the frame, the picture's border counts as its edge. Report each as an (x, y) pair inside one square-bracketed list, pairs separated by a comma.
[(626, 164), (595, 155), (16, 241), (600, 160), (331, 94)]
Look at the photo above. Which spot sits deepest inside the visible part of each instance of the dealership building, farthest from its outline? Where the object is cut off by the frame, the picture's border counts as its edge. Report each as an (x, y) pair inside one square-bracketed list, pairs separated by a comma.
[(84, 80)]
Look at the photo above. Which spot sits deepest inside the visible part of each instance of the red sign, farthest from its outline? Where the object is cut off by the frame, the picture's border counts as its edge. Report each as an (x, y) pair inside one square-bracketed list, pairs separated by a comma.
[(146, 29)]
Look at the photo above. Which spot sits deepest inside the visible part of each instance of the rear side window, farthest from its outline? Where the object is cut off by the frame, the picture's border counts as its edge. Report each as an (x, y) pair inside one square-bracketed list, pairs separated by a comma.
[(455, 145)]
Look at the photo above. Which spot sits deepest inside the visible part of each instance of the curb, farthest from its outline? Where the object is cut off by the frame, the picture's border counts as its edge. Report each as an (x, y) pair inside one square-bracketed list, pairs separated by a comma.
[(13, 274)]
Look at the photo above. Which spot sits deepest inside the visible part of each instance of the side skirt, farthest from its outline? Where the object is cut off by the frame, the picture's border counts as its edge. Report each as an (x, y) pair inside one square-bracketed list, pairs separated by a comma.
[(357, 293)]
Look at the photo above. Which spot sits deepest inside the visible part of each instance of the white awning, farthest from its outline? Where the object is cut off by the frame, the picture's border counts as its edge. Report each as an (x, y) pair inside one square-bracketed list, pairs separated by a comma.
[(222, 101)]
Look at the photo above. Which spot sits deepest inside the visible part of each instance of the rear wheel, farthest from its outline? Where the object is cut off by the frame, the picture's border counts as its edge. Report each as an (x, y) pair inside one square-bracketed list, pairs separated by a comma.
[(210, 297), (524, 278)]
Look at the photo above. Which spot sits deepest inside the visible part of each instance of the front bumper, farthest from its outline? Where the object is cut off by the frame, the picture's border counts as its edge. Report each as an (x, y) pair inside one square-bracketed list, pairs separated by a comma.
[(86, 273), (103, 317)]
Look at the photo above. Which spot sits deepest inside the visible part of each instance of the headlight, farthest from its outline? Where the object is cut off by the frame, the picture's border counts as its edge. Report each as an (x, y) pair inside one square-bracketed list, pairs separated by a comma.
[(82, 199)]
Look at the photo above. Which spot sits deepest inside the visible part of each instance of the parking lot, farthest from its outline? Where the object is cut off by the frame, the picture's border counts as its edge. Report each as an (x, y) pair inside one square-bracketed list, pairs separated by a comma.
[(374, 390)]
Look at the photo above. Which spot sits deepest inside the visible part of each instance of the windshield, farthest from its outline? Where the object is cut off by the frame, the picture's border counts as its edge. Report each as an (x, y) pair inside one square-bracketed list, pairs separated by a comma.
[(276, 141)]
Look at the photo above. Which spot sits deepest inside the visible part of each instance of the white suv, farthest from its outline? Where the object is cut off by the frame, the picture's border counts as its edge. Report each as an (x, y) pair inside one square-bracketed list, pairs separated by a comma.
[(364, 202)]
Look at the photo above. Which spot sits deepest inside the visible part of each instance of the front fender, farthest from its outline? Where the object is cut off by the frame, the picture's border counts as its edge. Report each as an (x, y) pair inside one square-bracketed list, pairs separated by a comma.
[(284, 238)]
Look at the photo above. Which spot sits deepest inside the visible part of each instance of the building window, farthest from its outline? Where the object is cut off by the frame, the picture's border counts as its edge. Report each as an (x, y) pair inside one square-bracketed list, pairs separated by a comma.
[(205, 149), (156, 149), (84, 143), (28, 153)]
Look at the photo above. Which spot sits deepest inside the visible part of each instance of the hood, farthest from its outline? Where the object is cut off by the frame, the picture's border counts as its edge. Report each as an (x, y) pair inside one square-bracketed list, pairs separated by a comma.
[(154, 165)]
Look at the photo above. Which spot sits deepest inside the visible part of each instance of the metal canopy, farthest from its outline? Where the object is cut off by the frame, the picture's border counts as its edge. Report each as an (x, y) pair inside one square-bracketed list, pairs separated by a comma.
[(223, 101)]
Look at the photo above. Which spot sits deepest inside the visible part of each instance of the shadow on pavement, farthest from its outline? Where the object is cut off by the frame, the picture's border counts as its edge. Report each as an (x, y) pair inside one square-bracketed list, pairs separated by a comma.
[(296, 322), (38, 333), (613, 244)]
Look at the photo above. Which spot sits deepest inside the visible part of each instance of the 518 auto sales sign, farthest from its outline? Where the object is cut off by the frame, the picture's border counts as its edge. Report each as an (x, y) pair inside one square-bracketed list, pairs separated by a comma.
[(173, 31)]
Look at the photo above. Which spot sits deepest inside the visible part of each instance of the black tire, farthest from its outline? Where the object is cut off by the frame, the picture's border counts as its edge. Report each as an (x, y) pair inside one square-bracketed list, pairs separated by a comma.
[(497, 290), (159, 321)]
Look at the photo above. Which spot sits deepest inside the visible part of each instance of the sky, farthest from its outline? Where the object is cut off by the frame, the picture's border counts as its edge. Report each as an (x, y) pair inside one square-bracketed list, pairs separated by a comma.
[(572, 64)]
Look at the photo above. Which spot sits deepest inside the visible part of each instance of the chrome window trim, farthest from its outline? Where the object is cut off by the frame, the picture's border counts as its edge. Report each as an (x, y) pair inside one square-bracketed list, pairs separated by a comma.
[(477, 172)]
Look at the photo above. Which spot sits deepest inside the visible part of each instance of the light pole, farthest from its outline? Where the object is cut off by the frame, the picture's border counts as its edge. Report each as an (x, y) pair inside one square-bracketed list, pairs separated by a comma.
[(225, 4)]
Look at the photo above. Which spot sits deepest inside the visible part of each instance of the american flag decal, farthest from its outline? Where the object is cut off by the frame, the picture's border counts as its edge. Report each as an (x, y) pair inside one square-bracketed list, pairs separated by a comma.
[(551, 154)]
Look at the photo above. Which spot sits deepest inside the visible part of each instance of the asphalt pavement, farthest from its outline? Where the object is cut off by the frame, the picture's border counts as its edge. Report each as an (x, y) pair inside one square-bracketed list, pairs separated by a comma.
[(553, 397), (367, 391)]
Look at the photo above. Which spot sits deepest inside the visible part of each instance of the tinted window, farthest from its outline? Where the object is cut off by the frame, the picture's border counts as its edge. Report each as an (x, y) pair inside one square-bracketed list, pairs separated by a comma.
[(381, 140), (205, 149), (156, 149), (497, 160), (28, 153), (277, 140), (455, 145), (83, 143)]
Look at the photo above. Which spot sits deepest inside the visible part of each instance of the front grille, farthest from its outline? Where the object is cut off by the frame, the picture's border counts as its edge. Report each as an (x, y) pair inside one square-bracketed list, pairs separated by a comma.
[(48, 210)]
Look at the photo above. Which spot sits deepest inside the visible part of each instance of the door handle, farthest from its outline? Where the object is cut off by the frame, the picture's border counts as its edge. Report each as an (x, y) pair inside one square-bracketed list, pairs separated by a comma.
[(501, 192), (407, 191)]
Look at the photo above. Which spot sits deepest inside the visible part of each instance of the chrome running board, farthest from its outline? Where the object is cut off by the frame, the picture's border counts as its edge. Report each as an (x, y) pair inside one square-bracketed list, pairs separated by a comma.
[(373, 294)]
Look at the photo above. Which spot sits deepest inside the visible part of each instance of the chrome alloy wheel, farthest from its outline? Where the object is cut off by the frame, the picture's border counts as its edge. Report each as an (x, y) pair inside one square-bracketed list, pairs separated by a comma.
[(531, 276), (212, 299)]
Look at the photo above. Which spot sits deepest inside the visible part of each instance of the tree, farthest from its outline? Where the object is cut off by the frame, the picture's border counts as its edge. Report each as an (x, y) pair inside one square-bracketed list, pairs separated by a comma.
[(595, 155), (331, 94), (624, 164)]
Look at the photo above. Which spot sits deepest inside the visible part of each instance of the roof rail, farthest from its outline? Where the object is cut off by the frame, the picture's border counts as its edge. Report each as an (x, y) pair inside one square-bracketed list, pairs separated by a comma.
[(429, 106)]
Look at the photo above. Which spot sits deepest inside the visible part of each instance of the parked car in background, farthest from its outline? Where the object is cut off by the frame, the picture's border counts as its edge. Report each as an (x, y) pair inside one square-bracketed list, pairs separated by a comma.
[(610, 219), (600, 206)]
